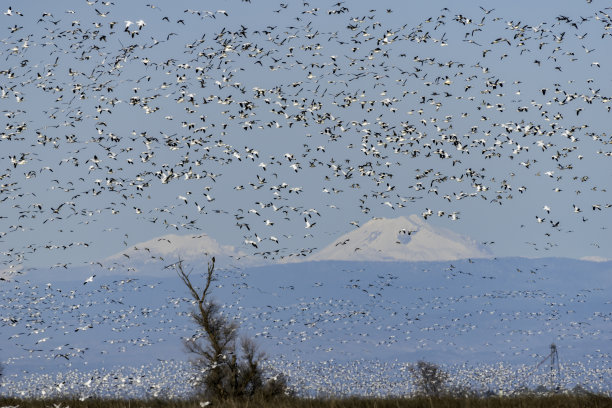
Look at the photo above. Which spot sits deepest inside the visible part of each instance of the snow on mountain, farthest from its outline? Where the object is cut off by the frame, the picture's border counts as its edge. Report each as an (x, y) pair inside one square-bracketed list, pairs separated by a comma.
[(169, 248), (401, 239), (595, 258), (380, 239)]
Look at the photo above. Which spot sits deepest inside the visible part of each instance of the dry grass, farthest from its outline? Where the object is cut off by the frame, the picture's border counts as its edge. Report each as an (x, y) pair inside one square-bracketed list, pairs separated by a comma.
[(528, 401)]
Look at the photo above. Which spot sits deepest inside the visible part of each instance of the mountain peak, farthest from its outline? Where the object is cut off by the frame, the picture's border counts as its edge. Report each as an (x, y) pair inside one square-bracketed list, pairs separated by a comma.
[(401, 239), (171, 247)]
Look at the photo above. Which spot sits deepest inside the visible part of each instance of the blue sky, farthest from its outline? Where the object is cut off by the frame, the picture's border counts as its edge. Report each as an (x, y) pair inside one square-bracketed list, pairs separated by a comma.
[(98, 118)]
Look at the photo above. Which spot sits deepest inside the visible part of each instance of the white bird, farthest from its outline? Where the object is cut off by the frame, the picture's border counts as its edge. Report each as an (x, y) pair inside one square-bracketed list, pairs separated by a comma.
[(308, 224)]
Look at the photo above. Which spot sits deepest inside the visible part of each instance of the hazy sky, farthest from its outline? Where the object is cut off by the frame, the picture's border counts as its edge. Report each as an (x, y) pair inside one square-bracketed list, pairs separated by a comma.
[(302, 121)]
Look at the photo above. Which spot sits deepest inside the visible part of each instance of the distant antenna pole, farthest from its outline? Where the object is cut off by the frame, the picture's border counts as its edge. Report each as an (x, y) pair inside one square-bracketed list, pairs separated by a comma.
[(554, 365), (553, 356)]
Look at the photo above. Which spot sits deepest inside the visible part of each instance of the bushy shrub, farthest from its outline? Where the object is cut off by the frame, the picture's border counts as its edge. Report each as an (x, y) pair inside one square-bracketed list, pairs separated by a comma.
[(227, 371), (429, 379)]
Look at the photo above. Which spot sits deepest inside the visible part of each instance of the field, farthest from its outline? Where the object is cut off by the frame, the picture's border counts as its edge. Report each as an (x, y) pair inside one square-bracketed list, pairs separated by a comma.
[(488, 334), (538, 401)]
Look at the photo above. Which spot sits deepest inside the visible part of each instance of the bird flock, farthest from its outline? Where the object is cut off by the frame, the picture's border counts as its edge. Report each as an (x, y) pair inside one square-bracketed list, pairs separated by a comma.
[(334, 328), (127, 122), (276, 129), (358, 378)]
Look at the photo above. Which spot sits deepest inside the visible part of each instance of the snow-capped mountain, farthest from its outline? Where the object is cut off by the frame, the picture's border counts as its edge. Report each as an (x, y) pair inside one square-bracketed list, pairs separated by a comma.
[(169, 248), (401, 239), (380, 239)]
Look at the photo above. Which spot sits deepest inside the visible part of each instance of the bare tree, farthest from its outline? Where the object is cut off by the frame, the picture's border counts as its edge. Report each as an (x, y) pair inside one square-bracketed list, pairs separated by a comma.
[(429, 379), (226, 371)]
